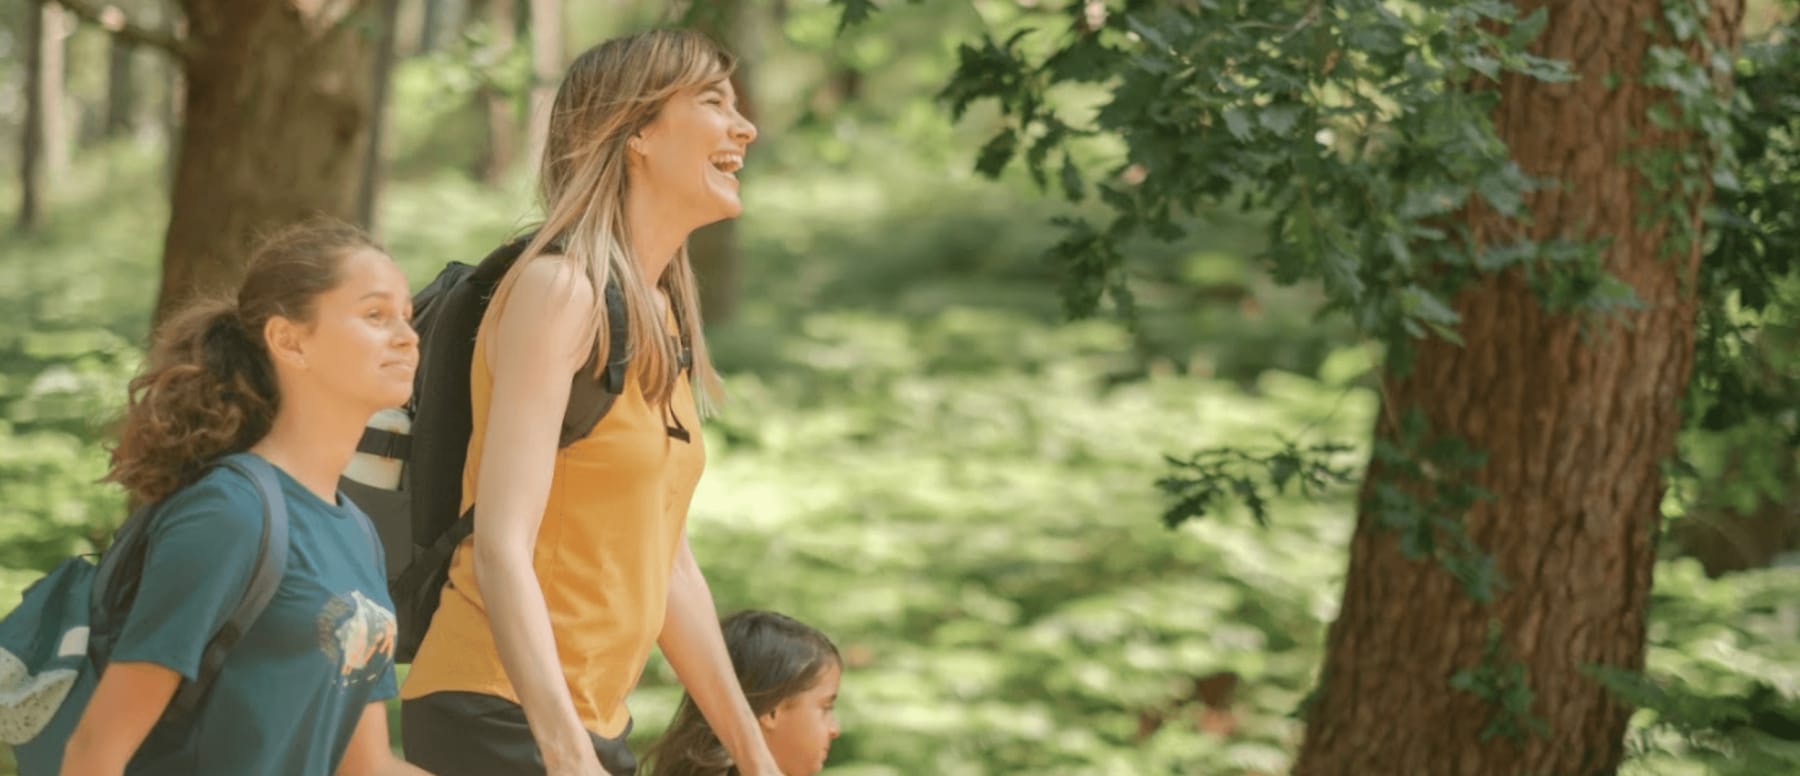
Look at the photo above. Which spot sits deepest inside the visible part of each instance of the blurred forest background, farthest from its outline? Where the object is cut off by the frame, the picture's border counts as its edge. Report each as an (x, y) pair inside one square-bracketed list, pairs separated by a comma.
[(1005, 314)]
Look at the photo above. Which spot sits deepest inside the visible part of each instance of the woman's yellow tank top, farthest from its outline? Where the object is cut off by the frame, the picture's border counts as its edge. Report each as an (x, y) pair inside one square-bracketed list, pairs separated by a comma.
[(618, 503)]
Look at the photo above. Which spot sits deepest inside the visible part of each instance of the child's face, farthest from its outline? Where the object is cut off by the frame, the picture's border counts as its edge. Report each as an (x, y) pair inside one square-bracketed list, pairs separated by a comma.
[(801, 729)]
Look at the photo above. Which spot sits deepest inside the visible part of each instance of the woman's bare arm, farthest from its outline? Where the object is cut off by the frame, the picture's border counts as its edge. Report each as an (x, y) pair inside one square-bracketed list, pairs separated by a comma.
[(695, 648), (538, 344)]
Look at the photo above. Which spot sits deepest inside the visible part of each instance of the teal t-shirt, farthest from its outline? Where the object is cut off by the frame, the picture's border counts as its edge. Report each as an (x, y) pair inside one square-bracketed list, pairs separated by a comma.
[(289, 696)]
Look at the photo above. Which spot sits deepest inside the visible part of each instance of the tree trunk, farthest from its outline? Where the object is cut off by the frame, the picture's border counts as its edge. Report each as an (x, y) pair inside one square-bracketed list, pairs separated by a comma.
[(429, 31), (31, 134), (369, 195), (714, 250), (1575, 423), (274, 129), (121, 93), (546, 72), (502, 107), (53, 86), (174, 97)]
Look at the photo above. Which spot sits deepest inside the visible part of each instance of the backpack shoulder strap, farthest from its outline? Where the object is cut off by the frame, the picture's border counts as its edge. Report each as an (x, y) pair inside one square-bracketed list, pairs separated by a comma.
[(265, 578), (590, 399)]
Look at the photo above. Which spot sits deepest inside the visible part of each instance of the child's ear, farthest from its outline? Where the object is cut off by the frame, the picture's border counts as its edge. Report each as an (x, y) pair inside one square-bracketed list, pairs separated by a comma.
[(767, 720)]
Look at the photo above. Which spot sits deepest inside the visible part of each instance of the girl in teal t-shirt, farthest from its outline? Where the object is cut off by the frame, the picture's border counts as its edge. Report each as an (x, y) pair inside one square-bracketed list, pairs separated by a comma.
[(316, 340)]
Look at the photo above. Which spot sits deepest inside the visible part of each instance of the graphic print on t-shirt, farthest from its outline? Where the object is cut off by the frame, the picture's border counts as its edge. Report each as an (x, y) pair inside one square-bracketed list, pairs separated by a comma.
[(358, 635)]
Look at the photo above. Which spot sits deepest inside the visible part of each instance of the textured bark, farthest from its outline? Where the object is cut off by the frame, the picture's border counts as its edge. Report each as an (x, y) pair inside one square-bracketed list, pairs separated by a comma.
[(1575, 425), (274, 129)]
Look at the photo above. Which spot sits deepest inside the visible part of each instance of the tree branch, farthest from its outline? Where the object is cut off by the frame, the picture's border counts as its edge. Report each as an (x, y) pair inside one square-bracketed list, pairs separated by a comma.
[(112, 19)]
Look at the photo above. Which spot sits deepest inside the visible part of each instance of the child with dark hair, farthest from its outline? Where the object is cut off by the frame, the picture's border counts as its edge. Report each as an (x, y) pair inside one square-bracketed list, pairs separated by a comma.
[(789, 673)]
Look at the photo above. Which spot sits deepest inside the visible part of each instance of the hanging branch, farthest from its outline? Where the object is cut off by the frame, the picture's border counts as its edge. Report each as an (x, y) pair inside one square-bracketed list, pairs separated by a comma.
[(112, 18)]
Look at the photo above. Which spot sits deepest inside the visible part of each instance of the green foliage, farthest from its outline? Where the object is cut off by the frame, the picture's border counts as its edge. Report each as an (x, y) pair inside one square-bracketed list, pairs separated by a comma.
[(1355, 127), (1720, 694), (973, 533), (1210, 480), (1692, 103), (1500, 680), (919, 459), (1743, 421), (1425, 489), (72, 308)]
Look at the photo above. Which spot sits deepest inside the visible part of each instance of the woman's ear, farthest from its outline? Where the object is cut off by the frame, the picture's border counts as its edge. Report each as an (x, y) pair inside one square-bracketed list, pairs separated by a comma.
[(282, 337)]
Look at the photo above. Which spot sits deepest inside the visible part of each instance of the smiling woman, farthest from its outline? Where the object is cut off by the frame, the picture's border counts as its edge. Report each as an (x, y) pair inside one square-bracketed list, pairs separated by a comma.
[(579, 561)]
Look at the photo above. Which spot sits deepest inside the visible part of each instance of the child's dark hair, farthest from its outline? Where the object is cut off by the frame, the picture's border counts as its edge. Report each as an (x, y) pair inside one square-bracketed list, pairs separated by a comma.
[(209, 388), (776, 657)]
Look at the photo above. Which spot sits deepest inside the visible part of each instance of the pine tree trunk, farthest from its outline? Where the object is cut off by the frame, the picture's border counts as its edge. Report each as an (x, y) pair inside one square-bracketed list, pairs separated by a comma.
[(1575, 424), (274, 129)]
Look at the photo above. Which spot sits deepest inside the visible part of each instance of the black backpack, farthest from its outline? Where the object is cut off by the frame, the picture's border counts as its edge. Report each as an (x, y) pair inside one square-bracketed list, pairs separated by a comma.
[(420, 521)]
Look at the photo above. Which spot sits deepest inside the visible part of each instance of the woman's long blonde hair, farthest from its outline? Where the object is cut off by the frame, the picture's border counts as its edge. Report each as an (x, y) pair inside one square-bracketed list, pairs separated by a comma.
[(611, 92)]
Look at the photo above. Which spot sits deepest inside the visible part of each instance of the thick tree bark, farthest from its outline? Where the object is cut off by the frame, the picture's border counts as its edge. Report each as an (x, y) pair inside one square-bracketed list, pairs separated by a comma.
[(546, 72), (1575, 424), (274, 129), (31, 134)]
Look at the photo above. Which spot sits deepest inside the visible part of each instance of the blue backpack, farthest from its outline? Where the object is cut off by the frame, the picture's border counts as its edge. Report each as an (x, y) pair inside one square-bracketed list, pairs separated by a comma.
[(55, 644)]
